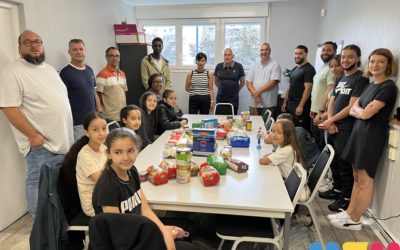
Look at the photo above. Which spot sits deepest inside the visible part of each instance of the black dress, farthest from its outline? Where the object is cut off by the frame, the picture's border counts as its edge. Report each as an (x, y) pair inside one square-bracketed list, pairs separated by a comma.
[(368, 138)]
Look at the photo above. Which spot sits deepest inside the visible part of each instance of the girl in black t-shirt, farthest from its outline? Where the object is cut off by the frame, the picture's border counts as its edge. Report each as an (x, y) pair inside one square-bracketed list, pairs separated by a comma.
[(118, 190)]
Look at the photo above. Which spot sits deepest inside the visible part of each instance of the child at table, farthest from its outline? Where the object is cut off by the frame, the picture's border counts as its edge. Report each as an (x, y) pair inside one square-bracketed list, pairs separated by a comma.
[(148, 103), (86, 159), (118, 189), (288, 152), (167, 119), (131, 117)]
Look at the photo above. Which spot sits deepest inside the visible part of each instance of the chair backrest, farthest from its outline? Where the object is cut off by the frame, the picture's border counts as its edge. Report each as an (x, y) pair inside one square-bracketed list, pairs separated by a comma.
[(224, 109), (267, 116), (295, 182), (112, 125), (269, 124), (320, 168)]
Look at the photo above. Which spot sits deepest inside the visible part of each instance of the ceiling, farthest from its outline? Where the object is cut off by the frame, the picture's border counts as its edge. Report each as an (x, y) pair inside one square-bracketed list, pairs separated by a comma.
[(186, 2)]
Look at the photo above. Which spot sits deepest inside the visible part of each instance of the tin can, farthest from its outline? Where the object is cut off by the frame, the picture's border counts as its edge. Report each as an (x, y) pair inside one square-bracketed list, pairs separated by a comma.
[(249, 125), (183, 158)]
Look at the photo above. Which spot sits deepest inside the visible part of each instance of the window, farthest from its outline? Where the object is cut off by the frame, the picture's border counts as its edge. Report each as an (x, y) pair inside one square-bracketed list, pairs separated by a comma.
[(184, 38), (167, 34), (244, 39), (195, 39)]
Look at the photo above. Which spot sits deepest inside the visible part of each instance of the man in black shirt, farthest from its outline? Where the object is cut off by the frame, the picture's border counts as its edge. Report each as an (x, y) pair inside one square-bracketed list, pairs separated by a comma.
[(297, 100), (339, 125)]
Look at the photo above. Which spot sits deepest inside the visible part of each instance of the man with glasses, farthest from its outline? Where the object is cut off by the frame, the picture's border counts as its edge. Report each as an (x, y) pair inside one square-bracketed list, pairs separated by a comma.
[(156, 63), (80, 82), (35, 102), (111, 86)]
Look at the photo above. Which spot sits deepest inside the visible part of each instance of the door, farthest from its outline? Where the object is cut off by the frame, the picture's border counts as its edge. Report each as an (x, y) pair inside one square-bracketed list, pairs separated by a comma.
[(13, 166)]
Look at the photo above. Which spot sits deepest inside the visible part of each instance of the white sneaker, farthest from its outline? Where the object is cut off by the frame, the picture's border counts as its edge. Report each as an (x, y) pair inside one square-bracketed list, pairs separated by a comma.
[(325, 186), (346, 223), (340, 215)]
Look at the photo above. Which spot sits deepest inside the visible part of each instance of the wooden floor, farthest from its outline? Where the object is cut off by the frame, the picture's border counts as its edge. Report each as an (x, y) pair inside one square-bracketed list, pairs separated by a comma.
[(16, 236)]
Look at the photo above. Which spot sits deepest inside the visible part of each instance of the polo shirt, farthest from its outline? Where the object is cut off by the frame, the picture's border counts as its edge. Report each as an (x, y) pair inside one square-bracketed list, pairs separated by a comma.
[(229, 77), (322, 79), (112, 85)]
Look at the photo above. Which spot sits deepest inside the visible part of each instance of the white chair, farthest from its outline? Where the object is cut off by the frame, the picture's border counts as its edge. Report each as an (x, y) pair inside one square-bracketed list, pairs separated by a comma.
[(112, 125), (315, 178), (254, 229), (269, 124), (267, 116), (223, 108)]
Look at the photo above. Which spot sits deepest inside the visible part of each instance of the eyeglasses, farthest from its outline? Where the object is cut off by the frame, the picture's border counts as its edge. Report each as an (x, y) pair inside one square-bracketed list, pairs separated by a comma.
[(29, 43)]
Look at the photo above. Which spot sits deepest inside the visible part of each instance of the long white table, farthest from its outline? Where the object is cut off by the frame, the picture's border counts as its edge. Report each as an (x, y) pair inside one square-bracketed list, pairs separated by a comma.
[(258, 192)]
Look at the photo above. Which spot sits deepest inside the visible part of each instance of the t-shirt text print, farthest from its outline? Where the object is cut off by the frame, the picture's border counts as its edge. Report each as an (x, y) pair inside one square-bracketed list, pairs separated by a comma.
[(128, 205)]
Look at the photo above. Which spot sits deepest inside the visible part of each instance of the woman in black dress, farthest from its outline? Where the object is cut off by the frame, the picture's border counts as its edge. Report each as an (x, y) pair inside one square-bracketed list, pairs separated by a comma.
[(368, 138)]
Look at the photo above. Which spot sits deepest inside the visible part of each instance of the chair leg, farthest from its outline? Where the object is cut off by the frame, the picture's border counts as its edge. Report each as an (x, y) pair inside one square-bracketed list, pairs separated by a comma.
[(221, 244), (316, 224)]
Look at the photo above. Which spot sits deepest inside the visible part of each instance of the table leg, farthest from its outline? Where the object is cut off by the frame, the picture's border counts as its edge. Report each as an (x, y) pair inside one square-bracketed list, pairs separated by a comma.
[(286, 231)]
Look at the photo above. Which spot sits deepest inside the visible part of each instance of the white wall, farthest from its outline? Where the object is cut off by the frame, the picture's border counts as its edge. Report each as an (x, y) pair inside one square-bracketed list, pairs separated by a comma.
[(371, 24), (58, 21)]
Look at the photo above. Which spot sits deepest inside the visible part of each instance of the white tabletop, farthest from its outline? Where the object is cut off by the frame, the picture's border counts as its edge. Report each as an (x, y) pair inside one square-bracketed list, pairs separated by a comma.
[(258, 192)]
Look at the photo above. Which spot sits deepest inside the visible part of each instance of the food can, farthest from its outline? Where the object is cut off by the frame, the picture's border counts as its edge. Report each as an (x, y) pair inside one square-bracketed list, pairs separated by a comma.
[(249, 125), (183, 171)]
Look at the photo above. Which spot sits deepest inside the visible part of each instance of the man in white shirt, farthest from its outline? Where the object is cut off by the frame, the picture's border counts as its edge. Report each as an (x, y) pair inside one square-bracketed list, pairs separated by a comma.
[(35, 102), (262, 83)]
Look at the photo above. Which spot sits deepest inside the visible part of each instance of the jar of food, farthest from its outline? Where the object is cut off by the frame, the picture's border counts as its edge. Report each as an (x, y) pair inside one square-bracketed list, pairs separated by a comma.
[(226, 152), (183, 159)]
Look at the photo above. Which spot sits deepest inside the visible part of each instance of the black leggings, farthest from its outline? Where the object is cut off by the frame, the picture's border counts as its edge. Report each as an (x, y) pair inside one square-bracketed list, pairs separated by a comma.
[(199, 104)]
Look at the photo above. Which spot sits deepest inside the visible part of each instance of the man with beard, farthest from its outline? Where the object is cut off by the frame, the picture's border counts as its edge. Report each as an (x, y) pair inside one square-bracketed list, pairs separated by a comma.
[(297, 99), (322, 87), (262, 82), (81, 83), (35, 102), (340, 124), (155, 63)]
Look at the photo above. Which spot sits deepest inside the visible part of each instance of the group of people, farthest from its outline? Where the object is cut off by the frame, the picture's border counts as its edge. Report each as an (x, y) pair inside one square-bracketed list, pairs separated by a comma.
[(68, 113)]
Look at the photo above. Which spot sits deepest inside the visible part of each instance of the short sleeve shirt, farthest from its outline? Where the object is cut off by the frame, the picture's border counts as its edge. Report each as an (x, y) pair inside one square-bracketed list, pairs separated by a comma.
[(88, 163), (283, 157), (229, 77), (259, 75), (298, 76), (322, 79), (347, 87)]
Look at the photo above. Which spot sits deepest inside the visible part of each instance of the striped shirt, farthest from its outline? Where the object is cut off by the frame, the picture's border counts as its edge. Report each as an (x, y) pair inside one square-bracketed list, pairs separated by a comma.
[(199, 83)]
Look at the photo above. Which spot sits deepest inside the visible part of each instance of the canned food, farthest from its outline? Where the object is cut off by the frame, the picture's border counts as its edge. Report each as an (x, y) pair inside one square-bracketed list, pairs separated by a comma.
[(249, 125), (183, 171)]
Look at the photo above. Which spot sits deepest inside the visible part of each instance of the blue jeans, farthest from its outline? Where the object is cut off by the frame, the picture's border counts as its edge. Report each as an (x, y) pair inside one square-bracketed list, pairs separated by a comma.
[(79, 131), (35, 159)]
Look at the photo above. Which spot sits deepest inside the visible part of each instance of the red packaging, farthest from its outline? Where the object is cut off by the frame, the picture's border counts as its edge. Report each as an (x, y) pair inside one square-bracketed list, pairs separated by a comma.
[(157, 175), (221, 134), (209, 175), (169, 167)]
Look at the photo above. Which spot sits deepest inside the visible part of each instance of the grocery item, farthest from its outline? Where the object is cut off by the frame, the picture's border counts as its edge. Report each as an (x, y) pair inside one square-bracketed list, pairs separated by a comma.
[(238, 139), (218, 163), (183, 171), (209, 175), (203, 141), (237, 165), (169, 151), (221, 133), (226, 152), (194, 169), (157, 175), (169, 167)]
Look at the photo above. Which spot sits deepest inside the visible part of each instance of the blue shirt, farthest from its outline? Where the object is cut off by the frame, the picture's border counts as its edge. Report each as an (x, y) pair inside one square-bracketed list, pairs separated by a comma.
[(229, 77), (80, 84)]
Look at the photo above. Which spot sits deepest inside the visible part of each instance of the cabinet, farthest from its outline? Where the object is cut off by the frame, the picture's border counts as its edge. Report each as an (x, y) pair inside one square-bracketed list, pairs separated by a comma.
[(131, 57)]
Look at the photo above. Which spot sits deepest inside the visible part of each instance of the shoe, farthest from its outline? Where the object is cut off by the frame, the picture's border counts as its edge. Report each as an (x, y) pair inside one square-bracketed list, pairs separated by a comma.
[(340, 215), (339, 204), (329, 195), (325, 186), (346, 223)]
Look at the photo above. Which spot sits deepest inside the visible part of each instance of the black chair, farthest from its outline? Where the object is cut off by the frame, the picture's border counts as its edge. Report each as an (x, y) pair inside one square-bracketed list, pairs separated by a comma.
[(224, 109), (315, 178), (254, 229)]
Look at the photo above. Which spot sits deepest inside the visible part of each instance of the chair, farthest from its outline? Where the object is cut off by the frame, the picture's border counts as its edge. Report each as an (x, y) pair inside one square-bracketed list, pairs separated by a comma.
[(267, 116), (315, 178), (254, 229), (269, 124), (112, 125), (224, 109)]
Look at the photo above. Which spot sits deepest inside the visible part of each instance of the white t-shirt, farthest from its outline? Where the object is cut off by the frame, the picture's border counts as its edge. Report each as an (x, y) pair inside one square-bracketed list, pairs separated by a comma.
[(42, 96), (284, 159), (88, 163)]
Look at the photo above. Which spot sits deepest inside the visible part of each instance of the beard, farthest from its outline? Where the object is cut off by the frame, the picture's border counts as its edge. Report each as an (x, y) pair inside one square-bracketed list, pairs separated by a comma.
[(299, 60), (36, 60), (326, 59), (350, 67)]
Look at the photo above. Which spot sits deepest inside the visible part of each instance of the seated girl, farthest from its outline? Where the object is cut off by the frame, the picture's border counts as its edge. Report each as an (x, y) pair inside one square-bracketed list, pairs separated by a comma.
[(288, 151), (167, 119), (131, 117), (156, 85), (148, 104), (118, 189), (86, 159)]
